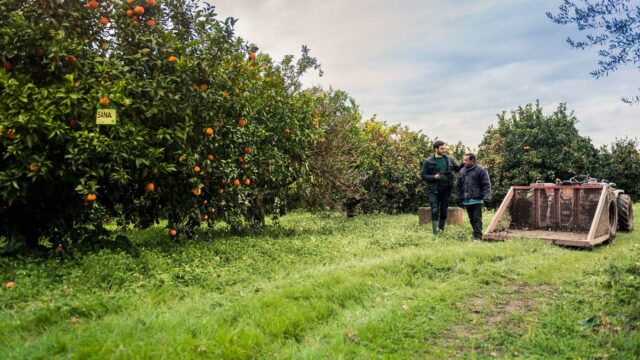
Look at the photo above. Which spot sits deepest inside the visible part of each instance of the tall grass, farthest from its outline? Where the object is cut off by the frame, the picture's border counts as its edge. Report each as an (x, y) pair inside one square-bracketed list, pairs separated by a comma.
[(322, 286)]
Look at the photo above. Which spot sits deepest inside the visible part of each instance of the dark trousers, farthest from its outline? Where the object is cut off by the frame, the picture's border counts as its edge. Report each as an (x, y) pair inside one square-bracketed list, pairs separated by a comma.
[(439, 202), (475, 217)]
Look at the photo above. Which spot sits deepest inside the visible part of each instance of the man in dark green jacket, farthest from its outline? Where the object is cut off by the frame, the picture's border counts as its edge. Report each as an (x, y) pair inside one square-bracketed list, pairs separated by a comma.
[(436, 172)]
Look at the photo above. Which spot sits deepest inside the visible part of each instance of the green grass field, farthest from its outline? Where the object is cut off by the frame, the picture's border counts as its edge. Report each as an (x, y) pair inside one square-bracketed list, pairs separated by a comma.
[(327, 287)]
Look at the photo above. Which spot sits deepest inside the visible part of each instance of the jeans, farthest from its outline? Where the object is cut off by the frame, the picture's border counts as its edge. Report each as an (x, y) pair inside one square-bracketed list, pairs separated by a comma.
[(475, 217), (439, 202)]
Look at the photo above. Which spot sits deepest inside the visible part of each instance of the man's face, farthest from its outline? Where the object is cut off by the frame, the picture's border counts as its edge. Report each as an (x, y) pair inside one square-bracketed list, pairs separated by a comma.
[(441, 149), (468, 163)]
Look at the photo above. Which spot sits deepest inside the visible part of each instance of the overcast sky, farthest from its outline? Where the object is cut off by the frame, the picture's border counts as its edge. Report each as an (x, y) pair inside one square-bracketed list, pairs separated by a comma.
[(444, 67)]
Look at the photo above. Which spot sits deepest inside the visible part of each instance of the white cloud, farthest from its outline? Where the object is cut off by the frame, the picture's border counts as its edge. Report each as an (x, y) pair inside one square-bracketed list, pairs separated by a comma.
[(446, 68)]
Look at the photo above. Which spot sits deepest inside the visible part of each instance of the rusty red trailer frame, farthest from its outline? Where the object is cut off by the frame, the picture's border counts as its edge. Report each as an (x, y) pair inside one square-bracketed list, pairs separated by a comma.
[(575, 215)]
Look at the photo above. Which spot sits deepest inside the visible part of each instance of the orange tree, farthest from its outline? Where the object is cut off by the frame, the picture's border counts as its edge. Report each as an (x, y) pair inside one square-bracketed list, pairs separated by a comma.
[(335, 174), (205, 127), (392, 162), (527, 146)]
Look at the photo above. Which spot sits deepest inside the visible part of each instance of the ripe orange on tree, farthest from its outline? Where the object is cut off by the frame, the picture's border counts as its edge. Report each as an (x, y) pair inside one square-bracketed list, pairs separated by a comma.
[(204, 217), (72, 60), (287, 131), (104, 101), (196, 191), (173, 232), (10, 284), (208, 131), (150, 187), (129, 13), (151, 22), (225, 94), (248, 150), (130, 2), (210, 157), (196, 168), (92, 5), (138, 10), (236, 182), (204, 87), (151, 2), (221, 191), (245, 165), (91, 197), (172, 59), (252, 56), (242, 122), (34, 167), (247, 181), (104, 20)]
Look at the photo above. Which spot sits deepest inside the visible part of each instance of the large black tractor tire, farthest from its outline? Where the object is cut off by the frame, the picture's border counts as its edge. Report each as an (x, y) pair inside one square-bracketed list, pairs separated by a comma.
[(625, 212)]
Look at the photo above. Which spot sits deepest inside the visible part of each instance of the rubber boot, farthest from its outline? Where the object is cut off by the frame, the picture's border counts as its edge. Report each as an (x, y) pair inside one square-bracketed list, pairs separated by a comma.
[(434, 225)]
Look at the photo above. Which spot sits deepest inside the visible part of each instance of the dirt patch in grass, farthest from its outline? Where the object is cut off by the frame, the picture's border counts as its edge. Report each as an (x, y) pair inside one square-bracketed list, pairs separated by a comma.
[(485, 314)]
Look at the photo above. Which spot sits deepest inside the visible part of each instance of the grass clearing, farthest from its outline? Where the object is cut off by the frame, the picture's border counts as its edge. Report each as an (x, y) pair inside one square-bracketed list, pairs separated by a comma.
[(322, 286)]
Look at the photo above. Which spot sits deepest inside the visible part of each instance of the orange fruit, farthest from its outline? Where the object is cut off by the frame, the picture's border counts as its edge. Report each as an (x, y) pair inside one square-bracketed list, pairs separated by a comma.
[(34, 167), (210, 157), (104, 101), (151, 22), (245, 165), (11, 134), (197, 191), (287, 131), (104, 20), (252, 56), (150, 187), (72, 60), (10, 284), (129, 13), (130, 2), (196, 168), (138, 10), (209, 131), (204, 217), (236, 182), (204, 87), (91, 197), (247, 182), (220, 191), (242, 122), (151, 2), (172, 59), (225, 94), (241, 158), (59, 249), (173, 232), (182, 158), (92, 5), (248, 150)]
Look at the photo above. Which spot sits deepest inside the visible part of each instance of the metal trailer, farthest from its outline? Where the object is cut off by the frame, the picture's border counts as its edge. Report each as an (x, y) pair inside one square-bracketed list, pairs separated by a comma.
[(571, 213)]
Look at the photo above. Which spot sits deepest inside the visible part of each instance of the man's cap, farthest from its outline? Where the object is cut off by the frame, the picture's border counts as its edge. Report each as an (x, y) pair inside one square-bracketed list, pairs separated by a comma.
[(438, 143)]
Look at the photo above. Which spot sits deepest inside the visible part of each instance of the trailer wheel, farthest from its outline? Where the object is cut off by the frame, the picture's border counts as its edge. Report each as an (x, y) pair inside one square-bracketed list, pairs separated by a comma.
[(625, 212)]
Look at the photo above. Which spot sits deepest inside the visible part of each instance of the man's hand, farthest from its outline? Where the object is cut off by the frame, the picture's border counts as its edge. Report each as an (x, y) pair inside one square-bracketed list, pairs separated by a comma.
[(438, 176)]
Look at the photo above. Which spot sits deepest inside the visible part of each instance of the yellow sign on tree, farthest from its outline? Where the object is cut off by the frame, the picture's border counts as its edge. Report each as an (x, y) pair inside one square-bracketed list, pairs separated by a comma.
[(106, 116)]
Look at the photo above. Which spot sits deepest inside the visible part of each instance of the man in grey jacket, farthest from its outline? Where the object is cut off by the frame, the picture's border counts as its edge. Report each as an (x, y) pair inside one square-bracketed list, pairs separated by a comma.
[(473, 189)]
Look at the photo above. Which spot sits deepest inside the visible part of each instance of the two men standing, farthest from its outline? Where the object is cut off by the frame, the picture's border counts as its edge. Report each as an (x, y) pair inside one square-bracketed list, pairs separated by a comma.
[(473, 187)]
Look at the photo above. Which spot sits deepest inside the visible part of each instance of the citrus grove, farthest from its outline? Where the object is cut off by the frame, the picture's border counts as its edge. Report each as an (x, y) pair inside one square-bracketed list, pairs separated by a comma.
[(207, 128)]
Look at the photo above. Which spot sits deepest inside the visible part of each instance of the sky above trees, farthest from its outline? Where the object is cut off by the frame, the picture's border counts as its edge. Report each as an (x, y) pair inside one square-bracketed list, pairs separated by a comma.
[(445, 67)]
